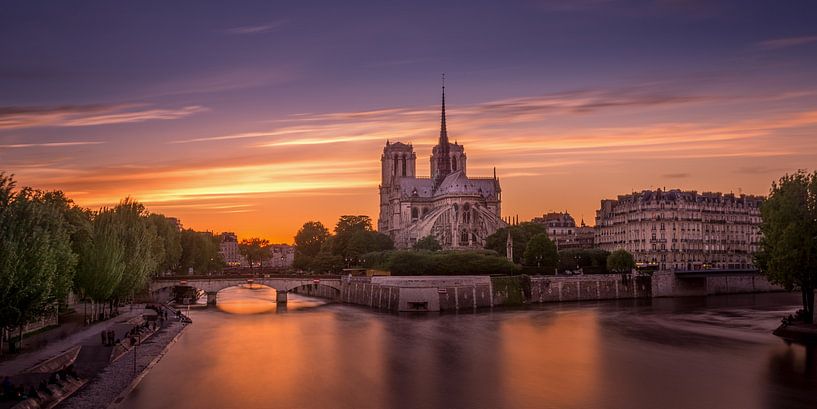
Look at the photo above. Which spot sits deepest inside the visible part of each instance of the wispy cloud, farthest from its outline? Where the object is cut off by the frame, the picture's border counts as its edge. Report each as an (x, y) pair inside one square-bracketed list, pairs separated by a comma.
[(49, 144), (88, 115), (676, 175), (787, 42), (255, 29)]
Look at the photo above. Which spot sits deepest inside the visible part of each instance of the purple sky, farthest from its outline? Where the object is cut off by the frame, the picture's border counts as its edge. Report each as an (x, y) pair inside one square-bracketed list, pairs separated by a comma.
[(257, 116)]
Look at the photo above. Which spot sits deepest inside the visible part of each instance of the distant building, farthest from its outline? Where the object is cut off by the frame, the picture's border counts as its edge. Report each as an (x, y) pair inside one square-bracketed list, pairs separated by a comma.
[(228, 249), (281, 256), (682, 230), (458, 210), (562, 229)]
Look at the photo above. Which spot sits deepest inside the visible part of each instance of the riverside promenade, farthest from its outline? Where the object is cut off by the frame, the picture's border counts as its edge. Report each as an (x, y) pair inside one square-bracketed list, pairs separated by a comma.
[(87, 335), (109, 387)]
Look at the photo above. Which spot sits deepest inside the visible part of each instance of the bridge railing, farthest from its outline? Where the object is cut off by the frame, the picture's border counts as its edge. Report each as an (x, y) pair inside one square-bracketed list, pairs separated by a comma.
[(247, 276)]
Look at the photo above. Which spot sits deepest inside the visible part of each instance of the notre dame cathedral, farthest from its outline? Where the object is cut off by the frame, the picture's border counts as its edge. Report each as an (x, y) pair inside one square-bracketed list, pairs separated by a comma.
[(459, 211)]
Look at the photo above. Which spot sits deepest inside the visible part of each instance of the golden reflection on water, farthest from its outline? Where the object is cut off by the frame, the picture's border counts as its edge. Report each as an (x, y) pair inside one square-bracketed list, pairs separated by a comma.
[(259, 299), (562, 354), (256, 356)]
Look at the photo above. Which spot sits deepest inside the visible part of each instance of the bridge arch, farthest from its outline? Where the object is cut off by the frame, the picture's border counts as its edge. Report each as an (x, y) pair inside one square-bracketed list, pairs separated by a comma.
[(282, 285)]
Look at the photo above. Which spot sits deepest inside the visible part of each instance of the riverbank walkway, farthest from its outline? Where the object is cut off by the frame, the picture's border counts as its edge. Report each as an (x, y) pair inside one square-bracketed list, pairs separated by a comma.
[(89, 335)]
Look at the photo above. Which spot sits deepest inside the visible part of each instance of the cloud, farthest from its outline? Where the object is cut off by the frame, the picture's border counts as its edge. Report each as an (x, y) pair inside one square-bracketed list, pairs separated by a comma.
[(49, 144), (676, 175), (255, 29), (88, 115), (787, 42)]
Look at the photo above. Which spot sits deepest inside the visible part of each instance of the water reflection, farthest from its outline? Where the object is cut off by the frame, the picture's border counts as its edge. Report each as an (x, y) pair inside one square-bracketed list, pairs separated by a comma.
[(714, 353), (259, 299)]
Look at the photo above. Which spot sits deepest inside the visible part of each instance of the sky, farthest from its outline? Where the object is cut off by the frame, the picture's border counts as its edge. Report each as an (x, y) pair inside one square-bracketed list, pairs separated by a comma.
[(256, 116)]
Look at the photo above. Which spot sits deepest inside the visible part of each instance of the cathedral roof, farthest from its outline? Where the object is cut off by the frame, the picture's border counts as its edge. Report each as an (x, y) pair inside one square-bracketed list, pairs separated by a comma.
[(458, 183), (422, 187)]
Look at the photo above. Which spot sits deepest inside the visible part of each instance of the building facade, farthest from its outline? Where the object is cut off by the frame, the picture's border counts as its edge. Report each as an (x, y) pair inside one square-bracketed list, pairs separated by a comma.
[(281, 256), (682, 230), (458, 210), (561, 228), (228, 249)]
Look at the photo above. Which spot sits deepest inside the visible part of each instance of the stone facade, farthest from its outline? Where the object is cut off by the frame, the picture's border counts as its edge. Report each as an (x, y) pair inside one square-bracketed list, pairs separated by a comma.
[(562, 229), (458, 210), (281, 256), (228, 249), (682, 230)]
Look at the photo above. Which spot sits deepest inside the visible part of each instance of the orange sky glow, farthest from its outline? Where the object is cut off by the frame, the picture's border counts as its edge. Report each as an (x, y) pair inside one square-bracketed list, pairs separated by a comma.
[(563, 151)]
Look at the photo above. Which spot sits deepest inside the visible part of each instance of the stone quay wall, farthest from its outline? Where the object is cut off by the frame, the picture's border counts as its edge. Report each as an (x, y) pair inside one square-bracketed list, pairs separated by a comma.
[(668, 284), (463, 293), (418, 293), (589, 287)]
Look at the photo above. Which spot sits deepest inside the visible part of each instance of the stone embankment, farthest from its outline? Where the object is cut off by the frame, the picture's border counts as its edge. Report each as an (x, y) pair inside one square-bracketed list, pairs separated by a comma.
[(460, 293), (110, 386)]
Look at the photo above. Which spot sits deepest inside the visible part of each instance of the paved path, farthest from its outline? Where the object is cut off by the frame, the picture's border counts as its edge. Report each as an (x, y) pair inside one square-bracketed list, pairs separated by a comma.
[(109, 387), (88, 336)]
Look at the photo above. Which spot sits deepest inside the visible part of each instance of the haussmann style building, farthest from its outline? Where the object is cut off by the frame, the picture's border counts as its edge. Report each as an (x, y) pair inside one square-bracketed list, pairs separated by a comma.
[(562, 229), (458, 210), (682, 230)]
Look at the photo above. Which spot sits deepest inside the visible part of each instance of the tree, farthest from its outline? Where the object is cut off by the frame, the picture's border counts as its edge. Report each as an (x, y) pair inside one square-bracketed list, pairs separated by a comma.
[(351, 239), (520, 234), (541, 252), (138, 237), (37, 262), (590, 261), (788, 255), (200, 251), (168, 248), (101, 260), (254, 250), (620, 261), (308, 242), (429, 243)]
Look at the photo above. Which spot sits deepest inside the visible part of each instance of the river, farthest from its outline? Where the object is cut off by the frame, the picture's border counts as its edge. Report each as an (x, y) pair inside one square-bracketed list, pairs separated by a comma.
[(713, 352)]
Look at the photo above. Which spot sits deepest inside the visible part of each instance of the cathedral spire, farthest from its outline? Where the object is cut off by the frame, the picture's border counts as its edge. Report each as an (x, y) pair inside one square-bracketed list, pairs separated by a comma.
[(443, 131), (443, 149)]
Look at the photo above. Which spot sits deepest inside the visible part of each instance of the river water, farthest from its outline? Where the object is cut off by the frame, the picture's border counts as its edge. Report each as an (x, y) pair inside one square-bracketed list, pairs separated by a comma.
[(713, 352)]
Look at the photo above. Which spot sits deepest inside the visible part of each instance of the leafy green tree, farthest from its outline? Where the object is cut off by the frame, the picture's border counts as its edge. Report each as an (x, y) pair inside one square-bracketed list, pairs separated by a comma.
[(424, 262), (168, 248), (620, 261), (788, 255), (351, 239), (520, 234), (541, 252), (102, 259), (200, 251), (138, 236), (591, 261), (37, 262), (308, 242), (254, 250), (429, 243)]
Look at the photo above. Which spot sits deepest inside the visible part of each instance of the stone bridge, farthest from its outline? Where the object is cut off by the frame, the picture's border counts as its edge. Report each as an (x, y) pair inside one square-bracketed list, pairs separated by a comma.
[(282, 284)]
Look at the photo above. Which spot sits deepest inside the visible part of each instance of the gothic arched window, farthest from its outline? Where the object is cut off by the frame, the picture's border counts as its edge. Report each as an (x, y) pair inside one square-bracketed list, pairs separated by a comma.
[(394, 173), (464, 238), (404, 165), (454, 163), (414, 213)]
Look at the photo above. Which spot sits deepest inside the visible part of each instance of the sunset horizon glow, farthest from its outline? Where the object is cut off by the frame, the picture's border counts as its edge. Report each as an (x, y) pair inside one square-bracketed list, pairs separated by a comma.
[(257, 120)]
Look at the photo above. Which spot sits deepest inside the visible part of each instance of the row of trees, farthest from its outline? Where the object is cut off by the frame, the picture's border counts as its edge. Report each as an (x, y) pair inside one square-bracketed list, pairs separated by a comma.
[(427, 262), (533, 248), (316, 249), (50, 247)]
